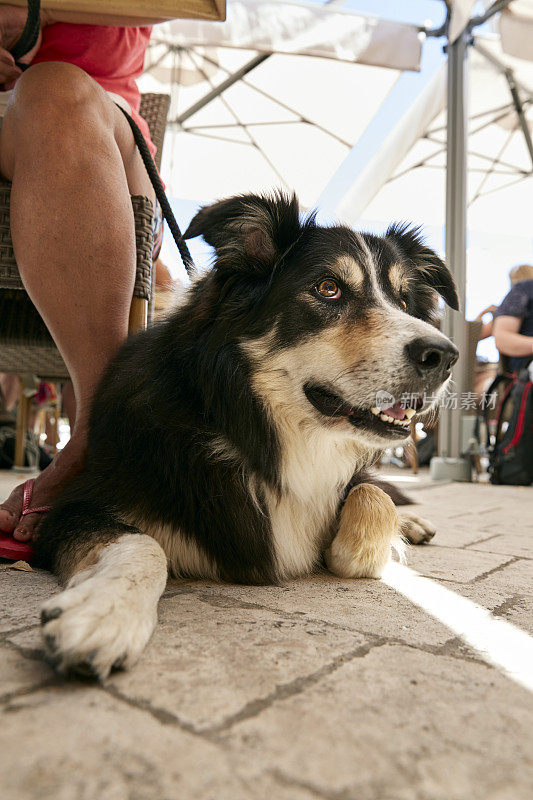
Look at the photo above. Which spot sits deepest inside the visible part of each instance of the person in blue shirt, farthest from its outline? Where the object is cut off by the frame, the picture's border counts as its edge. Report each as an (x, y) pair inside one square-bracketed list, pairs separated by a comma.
[(513, 321)]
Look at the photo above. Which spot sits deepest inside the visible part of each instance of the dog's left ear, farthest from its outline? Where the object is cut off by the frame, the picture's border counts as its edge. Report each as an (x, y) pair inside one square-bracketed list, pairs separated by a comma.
[(436, 274), (249, 232)]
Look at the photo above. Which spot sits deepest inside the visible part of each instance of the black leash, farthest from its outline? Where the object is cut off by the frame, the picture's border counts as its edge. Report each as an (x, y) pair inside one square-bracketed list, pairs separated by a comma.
[(27, 41), (29, 35), (155, 180)]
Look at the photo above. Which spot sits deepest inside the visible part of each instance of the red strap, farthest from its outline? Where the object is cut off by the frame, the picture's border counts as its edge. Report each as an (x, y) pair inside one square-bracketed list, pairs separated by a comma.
[(26, 500), (520, 421)]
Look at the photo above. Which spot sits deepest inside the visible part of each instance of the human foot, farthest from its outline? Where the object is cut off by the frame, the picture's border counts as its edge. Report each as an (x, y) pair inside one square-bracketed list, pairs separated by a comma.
[(66, 465)]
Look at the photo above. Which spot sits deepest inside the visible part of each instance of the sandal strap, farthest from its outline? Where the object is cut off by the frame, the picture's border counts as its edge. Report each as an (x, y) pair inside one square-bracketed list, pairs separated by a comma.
[(26, 500)]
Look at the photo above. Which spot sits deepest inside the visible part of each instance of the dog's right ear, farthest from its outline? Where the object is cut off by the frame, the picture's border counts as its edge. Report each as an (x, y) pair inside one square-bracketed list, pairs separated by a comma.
[(249, 232)]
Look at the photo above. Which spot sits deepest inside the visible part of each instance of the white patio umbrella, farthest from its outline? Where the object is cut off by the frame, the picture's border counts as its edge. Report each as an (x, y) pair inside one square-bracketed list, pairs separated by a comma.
[(256, 118), (516, 29), (299, 29)]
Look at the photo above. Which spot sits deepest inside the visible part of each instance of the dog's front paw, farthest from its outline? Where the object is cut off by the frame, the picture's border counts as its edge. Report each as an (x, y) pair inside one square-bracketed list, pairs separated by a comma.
[(342, 561), (368, 528), (415, 529), (91, 628)]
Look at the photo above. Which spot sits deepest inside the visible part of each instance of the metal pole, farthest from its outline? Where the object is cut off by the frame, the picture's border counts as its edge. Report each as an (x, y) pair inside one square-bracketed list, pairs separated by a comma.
[(514, 87), (217, 91), (450, 464), (520, 112)]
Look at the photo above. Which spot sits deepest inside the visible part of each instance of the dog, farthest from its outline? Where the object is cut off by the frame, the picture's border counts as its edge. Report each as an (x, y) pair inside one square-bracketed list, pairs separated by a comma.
[(232, 441)]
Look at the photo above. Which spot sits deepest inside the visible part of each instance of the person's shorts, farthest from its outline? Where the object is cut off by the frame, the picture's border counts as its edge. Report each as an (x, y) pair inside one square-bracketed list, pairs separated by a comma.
[(157, 224)]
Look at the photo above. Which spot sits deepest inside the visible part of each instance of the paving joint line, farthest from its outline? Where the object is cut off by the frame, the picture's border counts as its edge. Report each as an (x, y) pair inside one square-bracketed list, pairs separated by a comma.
[(49, 683), (293, 688), (477, 578), (479, 541), (31, 653), (4, 635), (297, 616), (160, 714), (371, 637), (492, 571)]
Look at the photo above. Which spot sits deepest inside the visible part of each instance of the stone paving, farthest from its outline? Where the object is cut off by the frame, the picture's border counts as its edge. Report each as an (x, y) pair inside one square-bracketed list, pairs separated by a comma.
[(321, 688)]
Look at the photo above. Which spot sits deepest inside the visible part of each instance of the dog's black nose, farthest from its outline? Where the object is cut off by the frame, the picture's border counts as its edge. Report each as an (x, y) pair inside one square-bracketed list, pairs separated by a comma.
[(432, 356)]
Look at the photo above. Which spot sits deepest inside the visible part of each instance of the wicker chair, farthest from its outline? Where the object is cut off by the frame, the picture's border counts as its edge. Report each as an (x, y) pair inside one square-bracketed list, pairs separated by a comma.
[(26, 346)]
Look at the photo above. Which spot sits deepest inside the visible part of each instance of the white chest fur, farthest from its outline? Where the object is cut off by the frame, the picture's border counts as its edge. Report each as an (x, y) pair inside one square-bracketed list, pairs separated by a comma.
[(315, 470)]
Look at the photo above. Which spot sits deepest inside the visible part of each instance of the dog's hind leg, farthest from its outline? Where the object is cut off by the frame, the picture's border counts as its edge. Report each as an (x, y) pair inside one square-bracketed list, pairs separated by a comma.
[(368, 527), (108, 610)]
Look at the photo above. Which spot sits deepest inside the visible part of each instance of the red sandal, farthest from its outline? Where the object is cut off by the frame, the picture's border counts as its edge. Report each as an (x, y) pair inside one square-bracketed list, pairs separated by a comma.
[(11, 548)]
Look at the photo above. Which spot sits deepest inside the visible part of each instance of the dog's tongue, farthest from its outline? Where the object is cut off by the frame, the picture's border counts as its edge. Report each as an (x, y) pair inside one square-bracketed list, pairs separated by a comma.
[(397, 411)]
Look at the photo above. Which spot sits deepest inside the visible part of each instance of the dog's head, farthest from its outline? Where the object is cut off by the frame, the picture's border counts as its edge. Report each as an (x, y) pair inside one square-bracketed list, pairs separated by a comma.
[(335, 323)]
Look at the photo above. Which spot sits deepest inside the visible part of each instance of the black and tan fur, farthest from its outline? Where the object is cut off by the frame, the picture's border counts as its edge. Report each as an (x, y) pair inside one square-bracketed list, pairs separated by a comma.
[(236, 433)]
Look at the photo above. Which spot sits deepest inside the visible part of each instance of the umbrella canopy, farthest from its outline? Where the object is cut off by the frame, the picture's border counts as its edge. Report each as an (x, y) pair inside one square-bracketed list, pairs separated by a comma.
[(294, 120), (516, 29), (324, 31), (290, 122)]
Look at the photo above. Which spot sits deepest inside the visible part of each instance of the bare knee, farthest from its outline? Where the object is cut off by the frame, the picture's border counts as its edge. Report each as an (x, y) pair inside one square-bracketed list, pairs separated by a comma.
[(50, 105), (55, 90)]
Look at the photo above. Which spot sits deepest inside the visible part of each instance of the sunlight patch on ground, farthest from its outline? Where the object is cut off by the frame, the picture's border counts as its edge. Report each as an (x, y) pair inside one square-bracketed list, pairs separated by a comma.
[(501, 644)]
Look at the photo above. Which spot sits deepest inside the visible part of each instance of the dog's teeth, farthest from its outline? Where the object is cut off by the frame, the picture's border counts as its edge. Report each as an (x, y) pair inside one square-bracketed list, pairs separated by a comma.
[(403, 423), (375, 411), (410, 412)]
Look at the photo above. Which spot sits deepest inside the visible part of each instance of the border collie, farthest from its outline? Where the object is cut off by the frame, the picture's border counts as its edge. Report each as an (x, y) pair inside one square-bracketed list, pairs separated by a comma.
[(232, 440)]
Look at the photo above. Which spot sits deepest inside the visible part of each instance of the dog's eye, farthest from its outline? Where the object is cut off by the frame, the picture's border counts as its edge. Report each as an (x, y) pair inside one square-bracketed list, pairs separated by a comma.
[(329, 289), (403, 304)]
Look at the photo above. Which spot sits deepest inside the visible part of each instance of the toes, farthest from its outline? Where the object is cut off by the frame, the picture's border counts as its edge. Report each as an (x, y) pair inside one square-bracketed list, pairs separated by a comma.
[(10, 511), (86, 670), (48, 614), (22, 534), (51, 644), (27, 530), (8, 520), (418, 535), (416, 530)]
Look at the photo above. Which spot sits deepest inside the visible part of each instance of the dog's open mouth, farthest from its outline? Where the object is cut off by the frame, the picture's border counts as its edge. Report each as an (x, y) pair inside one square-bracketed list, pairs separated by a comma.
[(391, 422)]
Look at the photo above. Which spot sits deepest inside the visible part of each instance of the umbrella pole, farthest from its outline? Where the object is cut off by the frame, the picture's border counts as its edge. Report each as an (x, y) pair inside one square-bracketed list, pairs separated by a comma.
[(450, 462)]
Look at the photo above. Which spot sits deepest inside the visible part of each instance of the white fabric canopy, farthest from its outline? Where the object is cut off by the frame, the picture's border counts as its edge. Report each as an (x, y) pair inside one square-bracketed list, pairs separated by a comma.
[(277, 27), (294, 120), (516, 29)]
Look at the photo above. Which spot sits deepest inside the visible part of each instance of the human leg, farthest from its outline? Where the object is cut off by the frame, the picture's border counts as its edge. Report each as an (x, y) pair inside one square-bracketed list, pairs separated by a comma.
[(73, 164)]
